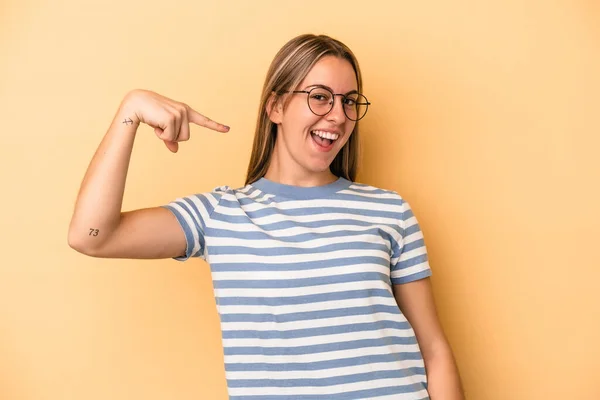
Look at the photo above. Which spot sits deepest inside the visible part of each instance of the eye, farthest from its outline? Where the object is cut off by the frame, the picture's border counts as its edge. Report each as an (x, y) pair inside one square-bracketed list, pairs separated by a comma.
[(320, 97), (350, 102)]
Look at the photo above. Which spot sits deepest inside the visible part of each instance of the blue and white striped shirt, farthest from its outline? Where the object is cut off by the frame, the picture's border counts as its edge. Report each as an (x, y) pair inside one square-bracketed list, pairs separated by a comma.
[(302, 280)]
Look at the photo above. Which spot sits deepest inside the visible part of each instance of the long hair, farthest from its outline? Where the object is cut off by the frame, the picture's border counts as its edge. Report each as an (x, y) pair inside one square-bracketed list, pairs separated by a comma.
[(288, 69)]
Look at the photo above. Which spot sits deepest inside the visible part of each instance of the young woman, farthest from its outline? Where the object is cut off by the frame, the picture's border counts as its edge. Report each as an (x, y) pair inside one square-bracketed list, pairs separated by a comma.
[(321, 283)]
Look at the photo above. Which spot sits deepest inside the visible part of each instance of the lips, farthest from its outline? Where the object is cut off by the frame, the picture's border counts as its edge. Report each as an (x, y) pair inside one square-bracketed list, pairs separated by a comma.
[(328, 134), (322, 144)]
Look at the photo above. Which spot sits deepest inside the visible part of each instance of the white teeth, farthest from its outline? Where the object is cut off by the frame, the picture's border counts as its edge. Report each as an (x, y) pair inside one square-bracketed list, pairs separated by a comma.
[(326, 135)]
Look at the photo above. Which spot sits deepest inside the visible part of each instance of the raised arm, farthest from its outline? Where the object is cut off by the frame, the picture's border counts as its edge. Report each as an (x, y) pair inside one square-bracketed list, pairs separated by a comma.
[(98, 226)]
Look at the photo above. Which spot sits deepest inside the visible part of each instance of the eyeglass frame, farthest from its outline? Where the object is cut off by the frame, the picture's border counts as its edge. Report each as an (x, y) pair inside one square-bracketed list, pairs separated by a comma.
[(344, 96)]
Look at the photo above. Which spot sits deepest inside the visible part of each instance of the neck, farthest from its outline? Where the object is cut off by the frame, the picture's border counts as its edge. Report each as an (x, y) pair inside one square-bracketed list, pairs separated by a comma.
[(298, 179), (286, 171)]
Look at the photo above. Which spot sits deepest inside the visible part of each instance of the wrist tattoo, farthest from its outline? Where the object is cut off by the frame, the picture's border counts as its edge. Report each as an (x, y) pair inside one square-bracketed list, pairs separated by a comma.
[(94, 232), (128, 121)]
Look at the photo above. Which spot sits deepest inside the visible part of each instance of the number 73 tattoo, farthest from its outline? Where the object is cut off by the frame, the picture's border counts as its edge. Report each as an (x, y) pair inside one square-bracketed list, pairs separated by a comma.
[(94, 232)]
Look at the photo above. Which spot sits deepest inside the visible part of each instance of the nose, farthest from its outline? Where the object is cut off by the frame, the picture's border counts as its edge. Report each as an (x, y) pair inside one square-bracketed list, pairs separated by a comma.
[(336, 114)]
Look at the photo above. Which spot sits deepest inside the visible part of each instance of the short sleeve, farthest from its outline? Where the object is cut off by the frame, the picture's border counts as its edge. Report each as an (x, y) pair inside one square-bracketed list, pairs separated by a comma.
[(409, 261), (193, 214)]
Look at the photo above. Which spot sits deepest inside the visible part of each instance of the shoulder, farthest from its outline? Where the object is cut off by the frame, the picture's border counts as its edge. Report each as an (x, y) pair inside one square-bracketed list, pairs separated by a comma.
[(222, 192), (376, 194), (383, 201), (207, 199), (230, 196)]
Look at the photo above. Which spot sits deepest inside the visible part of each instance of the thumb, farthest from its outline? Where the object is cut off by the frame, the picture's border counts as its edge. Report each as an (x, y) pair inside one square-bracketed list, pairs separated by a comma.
[(173, 146)]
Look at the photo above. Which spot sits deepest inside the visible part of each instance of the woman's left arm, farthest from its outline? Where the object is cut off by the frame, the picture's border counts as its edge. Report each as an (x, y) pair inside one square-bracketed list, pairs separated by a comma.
[(416, 302)]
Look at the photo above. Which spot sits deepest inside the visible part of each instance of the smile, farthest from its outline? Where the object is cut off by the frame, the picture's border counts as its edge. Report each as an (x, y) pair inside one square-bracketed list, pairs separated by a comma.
[(323, 140)]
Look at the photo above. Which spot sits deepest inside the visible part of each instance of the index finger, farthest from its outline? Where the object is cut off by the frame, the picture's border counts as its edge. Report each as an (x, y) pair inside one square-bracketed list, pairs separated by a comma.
[(199, 119)]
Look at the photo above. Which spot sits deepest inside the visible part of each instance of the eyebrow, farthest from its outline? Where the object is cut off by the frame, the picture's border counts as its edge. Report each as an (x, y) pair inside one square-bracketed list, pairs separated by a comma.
[(330, 89)]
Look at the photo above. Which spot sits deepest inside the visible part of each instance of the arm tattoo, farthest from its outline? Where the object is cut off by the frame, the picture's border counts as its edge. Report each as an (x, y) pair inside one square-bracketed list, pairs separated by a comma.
[(128, 121), (94, 232)]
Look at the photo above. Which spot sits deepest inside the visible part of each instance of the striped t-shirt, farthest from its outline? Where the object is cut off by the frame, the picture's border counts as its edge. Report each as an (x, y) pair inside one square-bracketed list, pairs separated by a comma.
[(302, 280)]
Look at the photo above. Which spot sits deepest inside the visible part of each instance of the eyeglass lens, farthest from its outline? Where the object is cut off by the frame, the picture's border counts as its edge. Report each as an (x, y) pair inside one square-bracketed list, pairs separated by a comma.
[(321, 101)]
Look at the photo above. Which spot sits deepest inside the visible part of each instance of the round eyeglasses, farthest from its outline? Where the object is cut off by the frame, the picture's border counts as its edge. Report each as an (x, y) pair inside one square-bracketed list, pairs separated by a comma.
[(321, 100)]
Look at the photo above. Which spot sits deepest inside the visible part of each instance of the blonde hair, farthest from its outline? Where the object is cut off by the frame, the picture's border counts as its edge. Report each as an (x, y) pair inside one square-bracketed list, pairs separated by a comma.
[(288, 69)]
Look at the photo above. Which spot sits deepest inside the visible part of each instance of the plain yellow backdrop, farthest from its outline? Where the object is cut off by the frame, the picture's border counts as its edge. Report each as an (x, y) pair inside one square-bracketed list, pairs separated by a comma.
[(484, 117)]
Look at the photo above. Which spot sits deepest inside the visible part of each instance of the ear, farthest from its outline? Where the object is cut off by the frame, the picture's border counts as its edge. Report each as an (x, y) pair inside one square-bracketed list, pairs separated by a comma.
[(275, 109)]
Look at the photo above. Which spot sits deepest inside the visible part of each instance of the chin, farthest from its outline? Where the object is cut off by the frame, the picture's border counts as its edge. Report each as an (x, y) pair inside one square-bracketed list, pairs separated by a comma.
[(320, 168)]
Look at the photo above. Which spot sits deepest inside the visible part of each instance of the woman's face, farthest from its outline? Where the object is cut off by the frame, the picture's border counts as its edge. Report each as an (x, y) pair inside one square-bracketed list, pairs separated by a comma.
[(298, 127)]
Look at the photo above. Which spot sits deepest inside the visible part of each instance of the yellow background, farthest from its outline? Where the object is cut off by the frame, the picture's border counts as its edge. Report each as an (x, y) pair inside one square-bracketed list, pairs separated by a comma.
[(484, 117)]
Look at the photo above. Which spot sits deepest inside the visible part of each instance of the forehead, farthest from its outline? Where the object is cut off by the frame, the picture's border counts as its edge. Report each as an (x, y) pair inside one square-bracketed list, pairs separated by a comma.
[(335, 72)]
